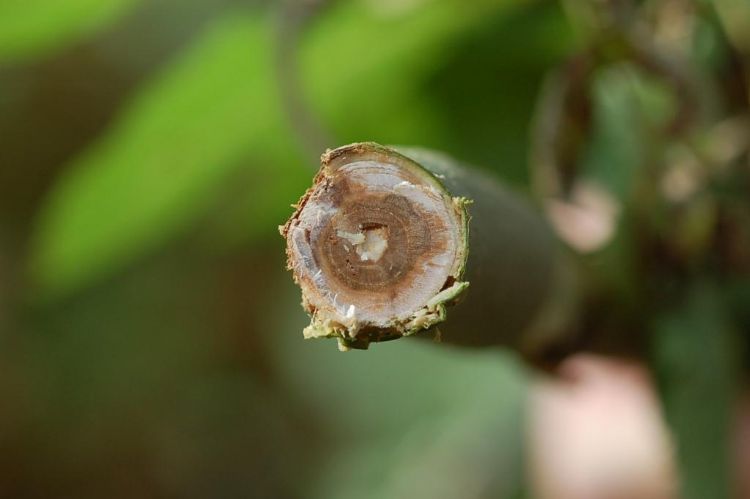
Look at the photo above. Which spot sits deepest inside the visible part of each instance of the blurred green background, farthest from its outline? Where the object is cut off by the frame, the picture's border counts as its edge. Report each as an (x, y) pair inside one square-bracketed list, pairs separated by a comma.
[(150, 337)]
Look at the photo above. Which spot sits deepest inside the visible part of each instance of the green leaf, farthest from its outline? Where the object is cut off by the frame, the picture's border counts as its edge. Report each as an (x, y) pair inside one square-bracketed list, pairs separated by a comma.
[(163, 161), (366, 66), (617, 148), (406, 419), (629, 109), (696, 358), (215, 112), (32, 27)]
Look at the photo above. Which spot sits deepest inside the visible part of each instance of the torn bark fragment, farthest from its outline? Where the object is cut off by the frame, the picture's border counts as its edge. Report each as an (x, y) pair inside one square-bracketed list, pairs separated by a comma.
[(379, 246)]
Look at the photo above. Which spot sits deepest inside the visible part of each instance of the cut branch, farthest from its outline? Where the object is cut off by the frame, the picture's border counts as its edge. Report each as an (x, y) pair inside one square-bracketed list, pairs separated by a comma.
[(380, 247)]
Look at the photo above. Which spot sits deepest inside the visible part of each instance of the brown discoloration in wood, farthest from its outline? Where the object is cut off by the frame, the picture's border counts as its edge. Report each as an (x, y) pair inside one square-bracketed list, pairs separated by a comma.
[(412, 235), (372, 293)]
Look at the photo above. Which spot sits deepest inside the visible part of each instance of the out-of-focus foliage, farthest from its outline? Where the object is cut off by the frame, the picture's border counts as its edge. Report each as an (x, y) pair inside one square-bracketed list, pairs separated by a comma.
[(698, 353), (159, 164), (444, 433), (215, 87), (31, 28)]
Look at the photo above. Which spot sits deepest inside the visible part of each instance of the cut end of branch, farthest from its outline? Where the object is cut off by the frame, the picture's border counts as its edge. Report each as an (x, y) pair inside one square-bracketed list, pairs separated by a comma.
[(377, 245)]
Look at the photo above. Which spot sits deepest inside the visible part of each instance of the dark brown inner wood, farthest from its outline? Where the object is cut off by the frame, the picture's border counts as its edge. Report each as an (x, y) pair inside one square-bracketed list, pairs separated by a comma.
[(407, 234)]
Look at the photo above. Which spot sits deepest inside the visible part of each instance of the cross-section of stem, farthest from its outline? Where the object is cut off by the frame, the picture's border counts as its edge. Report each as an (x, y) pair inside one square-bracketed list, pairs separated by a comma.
[(380, 244), (377, 245)]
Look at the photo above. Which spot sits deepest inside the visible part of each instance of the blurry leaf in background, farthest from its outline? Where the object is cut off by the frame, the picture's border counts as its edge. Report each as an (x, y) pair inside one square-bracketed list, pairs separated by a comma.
[(363, 64), (217, 108), (32, 27), (735, 16), (696, 358), (162, 162), (440, 75), (616, 154), (486, 93), (406, 419), (618, 146)]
